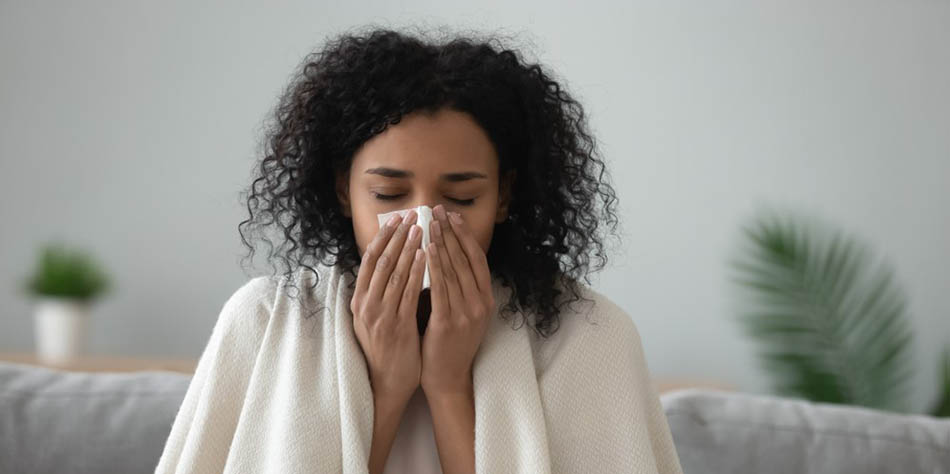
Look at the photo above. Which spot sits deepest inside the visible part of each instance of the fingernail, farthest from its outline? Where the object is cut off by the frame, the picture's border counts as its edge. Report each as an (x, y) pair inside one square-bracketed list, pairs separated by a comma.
[(414, 232), (408, 216), (456, 217), (436, 228), (394, 220)]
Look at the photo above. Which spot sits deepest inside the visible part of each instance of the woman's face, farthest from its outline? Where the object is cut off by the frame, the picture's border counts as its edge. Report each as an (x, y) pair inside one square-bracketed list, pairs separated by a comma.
[(444, 158)]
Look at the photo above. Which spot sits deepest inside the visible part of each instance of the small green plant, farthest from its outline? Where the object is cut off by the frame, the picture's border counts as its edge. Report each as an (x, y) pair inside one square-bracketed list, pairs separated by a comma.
[(832, 327), (66, 273)]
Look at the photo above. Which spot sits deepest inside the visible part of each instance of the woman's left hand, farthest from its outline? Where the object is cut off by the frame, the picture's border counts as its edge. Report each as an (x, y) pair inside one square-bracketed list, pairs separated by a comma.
[(462, 303)]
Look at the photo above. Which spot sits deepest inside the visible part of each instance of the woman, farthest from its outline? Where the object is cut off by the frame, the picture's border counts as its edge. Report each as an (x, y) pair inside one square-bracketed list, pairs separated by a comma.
[(389, 377)]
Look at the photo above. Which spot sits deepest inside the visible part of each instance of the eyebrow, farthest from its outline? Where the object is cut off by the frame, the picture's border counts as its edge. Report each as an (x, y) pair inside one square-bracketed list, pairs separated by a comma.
[(451, 177)]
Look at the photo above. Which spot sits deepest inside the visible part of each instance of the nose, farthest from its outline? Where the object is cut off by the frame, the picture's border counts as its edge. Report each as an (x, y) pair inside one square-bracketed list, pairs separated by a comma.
[(425, 199)]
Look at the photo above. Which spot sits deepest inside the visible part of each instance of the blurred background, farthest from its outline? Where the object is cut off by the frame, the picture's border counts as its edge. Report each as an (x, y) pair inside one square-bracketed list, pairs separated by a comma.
[(128, 129)]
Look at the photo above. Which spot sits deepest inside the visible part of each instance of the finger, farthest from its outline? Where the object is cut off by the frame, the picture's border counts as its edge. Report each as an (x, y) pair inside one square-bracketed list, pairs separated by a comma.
[(476, 256), (437, 291), (373, 250), (410, 295), (461, 270), (400, 275), (387, 261), (449, 274)]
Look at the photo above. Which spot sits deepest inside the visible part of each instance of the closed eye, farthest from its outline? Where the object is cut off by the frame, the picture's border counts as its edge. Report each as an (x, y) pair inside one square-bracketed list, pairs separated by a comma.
[(387, 197)]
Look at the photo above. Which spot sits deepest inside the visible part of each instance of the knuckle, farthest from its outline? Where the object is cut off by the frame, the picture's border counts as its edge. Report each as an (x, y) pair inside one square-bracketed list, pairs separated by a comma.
[(372, 250), (395, 278), (407, 293), (437, 325), (407, 254), (384, 261)]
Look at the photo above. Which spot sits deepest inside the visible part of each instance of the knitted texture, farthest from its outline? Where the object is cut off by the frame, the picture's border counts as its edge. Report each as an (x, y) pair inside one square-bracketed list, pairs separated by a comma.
[(275, 392)]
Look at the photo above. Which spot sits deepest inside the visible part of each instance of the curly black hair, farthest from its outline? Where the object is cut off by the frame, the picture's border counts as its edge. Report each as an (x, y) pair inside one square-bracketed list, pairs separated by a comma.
[(562, 204)]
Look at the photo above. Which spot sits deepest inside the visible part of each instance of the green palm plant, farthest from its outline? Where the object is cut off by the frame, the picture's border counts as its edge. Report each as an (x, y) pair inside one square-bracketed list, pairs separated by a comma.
[(833, 328), (942, 405)]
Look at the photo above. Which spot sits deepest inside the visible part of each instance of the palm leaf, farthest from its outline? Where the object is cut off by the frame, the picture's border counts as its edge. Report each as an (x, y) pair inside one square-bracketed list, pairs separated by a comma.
[(833, 328), (942, 407)]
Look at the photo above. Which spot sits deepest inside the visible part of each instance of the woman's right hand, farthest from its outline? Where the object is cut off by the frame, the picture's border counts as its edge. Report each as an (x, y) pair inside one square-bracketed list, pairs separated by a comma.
[(384, 308)]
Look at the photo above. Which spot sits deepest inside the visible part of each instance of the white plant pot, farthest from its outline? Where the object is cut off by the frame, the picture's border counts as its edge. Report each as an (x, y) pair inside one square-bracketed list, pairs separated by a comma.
[(60, 327)]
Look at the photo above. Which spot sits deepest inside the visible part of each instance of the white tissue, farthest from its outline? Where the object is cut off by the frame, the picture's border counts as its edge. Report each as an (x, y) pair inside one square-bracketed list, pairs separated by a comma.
[(423, 220)]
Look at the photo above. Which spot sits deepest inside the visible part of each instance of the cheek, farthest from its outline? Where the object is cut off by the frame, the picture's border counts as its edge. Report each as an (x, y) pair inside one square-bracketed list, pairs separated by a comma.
[(482, 231), (365, 230), (481, 224), (485, 239)]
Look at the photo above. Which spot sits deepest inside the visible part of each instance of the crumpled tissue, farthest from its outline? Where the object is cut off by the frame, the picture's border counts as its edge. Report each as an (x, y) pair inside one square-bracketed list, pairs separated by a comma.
[(423, 220)]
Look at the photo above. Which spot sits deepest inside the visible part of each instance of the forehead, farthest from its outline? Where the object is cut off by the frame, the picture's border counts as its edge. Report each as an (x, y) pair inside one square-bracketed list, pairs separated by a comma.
[(430, 144)]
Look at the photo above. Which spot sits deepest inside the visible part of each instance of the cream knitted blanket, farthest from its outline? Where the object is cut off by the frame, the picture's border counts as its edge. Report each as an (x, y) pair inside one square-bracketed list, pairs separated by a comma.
[(275, 392)]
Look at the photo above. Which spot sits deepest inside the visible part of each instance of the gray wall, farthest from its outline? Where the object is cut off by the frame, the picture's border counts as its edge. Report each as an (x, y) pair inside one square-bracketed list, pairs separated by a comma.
[(130, 128)]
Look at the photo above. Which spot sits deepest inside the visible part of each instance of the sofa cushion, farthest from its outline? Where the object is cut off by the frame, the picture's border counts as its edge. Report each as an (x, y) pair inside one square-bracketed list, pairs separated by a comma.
[(55, 421), (735, 433)]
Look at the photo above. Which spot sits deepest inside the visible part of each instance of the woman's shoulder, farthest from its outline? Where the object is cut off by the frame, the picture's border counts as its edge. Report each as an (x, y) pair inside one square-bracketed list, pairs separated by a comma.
[(267, 289), (589, 325), (276, 295), (250, 306), (263, 304), (595, 313), (257, 290)]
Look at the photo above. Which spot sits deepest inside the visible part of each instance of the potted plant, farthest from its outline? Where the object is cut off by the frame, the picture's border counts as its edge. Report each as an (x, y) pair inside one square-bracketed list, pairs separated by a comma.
[(833, 326), (64, 285)]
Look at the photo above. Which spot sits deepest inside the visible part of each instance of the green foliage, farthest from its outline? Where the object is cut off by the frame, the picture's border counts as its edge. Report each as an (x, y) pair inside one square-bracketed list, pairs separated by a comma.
[(942, 407), (834, 328), (66, 273)]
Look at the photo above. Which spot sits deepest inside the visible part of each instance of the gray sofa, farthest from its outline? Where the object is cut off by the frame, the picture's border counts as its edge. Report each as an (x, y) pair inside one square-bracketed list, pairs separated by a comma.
[(726, 432), (72, 422)]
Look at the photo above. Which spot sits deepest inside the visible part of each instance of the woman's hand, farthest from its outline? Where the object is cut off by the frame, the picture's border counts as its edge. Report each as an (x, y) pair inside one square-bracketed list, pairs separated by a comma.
[(384, 308), (462, 303)]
